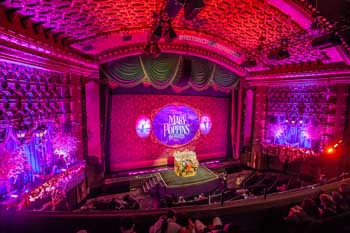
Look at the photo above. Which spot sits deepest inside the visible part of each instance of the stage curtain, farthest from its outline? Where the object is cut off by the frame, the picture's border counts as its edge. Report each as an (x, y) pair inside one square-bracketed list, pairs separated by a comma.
[(162, 70), (224, 78), (127, 72), (180, 82), (168, 70), (202, 72)]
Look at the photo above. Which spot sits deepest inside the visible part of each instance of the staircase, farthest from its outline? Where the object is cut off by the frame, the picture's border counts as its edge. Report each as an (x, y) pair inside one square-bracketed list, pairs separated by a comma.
[(152, 183)]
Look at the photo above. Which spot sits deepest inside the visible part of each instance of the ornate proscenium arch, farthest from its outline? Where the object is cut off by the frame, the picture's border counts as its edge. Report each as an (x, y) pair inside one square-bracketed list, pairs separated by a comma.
[(212, 55), (168, 70)]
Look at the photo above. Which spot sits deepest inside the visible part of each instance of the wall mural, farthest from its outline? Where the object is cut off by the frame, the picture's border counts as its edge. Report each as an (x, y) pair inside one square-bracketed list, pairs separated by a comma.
[(40, 131)]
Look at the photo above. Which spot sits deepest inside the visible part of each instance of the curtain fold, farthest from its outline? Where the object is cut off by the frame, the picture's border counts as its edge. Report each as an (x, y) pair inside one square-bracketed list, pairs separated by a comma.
[(224, 78), (162, 70), (127, 72), (201, 73)]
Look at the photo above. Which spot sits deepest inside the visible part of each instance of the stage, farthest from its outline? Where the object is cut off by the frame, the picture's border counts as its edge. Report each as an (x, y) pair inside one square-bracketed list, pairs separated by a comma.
[(204, 181)]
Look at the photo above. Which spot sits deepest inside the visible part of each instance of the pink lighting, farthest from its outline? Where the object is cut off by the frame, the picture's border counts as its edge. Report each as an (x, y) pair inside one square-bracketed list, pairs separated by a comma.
[(147, 152), (205, 124), (55, 187), (256, 91), (143, 126)]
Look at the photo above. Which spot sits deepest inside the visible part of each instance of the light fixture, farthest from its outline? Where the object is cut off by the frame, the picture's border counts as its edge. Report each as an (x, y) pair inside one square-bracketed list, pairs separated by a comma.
[(281, 52), (170, 32), (192, 8), (173, 7), (157, 34), (249, 63), (326, 41), (152, 49)]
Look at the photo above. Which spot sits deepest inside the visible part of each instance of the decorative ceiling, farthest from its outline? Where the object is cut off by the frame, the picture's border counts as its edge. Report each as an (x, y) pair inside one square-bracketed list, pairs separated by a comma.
[(92, 27)]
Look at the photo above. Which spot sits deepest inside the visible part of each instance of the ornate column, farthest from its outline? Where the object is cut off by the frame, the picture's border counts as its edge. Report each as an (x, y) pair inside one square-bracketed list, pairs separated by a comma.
[(233, 123), (239, 120), (93, 119), (247, 125)]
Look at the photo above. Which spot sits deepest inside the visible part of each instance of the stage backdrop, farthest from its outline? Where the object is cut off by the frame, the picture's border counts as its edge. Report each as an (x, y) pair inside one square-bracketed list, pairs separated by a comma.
[(145, 130)]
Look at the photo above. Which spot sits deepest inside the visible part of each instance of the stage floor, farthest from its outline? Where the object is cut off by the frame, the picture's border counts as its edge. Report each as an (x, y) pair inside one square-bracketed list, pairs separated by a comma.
[(203, 175)]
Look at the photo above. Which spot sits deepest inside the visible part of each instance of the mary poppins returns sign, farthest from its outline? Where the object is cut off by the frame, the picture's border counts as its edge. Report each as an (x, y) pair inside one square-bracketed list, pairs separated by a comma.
[(175, 125)]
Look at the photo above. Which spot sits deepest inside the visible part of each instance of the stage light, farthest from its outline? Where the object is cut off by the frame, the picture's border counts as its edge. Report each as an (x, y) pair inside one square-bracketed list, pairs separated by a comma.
[(249, 63), (173, 7), (155, 50), (192, 8), (272, 55), (157, 34), (152, 49), (336, 145), (326, 41), (147, 50), (330, 150), (171, 33), (282, 54)]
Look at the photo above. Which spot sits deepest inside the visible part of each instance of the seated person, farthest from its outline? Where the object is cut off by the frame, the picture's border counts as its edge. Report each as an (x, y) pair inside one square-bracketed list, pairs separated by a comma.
[(166, 224), (328, 206), (341, 205), (131, 203), (113, 204), (344, 191), (310, 208), (181, 199), (200, 197), (296, 214), (127, 225)]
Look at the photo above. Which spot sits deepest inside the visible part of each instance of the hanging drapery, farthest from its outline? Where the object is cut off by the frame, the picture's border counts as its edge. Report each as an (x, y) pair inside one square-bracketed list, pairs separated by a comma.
[(161, 71), (127, 72), (180, 82), (168, 70), (224, 78), (202, 71)]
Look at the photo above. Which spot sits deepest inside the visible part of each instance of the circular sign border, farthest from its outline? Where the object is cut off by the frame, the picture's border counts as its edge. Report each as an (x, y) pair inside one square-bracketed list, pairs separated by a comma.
[(195, 137)]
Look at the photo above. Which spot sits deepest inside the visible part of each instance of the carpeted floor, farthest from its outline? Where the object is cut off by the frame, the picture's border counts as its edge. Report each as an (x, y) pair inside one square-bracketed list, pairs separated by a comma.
[(203, 174)]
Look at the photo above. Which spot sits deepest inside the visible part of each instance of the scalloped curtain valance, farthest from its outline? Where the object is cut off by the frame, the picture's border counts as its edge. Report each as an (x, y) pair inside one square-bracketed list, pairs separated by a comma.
[(168, 70)]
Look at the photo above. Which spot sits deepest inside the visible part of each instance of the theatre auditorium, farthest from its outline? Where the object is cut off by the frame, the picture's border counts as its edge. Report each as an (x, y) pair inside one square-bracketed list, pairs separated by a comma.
[(174, 116)]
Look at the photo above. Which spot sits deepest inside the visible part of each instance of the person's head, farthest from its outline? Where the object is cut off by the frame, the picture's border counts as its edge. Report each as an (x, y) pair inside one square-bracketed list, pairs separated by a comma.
[(126, 198), (82, 231), (171, 214), (310, 208), (199, 226), (316, 198), (183, 220), (231, 228), (338, 199), (127, 225), (217, 223), (327, 201), (344, 189)]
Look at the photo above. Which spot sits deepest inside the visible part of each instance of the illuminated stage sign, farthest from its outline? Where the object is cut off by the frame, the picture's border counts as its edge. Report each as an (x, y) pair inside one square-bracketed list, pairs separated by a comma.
[(175, 125)]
